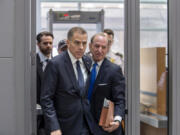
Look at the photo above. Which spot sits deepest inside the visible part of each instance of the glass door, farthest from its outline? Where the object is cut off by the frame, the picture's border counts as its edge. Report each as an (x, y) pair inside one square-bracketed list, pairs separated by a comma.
[(147, 67), (153, 67)]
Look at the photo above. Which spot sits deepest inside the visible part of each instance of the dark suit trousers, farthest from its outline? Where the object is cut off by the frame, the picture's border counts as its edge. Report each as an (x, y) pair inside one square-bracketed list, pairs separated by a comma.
[(40, 125), (85, 130)]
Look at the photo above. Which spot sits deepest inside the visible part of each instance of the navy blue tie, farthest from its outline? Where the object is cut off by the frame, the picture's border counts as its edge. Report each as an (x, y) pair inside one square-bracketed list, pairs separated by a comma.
[(80, 75), (92, 80)]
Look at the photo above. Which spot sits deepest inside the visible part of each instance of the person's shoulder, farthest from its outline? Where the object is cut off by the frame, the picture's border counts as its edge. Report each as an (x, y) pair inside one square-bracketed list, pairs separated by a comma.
[(87, 58), (59, 58), (37, 57), (112, 65), (117, 56), (88, 54), (38, 61)]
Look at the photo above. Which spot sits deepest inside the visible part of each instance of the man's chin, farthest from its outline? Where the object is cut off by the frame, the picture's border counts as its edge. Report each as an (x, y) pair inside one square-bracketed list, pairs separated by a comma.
[(97, 59), (48, 52), (78, 56)]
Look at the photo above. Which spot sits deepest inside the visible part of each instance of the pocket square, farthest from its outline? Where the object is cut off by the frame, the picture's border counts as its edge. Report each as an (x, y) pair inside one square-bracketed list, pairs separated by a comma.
[(102, 84)]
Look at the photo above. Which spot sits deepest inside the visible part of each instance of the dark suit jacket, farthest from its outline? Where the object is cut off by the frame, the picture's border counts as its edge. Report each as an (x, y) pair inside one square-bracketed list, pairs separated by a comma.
[(110, 83), (64, 105), (39, 77)]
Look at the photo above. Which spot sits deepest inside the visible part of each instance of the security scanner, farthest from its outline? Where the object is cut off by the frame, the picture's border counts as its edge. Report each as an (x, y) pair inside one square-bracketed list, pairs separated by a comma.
[(59, 22), (76, 17)]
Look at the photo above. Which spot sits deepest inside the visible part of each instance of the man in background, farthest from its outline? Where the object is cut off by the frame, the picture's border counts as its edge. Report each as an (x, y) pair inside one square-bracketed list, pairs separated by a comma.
[(116, 58), (45, 45), (62, 46)]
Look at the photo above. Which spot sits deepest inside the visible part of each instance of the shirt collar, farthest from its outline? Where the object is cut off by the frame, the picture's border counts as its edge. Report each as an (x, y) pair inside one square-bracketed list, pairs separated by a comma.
[(42, 56), (73, 59), (99, 62)]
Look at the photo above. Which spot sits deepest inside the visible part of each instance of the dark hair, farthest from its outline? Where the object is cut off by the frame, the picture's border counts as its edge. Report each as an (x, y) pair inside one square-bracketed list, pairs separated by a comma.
[(44, 33), (75, 29), (109, 32), (62, 43), (98, 34)]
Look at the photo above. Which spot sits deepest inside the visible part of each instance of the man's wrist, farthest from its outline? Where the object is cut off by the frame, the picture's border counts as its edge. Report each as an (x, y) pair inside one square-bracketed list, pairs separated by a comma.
[(118, 119)]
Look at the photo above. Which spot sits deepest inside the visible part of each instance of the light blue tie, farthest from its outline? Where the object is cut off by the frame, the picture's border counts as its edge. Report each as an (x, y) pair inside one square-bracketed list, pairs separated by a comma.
[(92, 80)]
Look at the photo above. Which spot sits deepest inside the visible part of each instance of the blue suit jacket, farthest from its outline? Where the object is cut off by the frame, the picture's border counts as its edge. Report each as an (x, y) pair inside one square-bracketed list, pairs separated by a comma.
[(64, 105), (110, 83)]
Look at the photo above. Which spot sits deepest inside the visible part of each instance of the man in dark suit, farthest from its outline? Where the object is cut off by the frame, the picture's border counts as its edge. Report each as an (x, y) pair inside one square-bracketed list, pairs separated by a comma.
[(45, 45), (109, 83), (63, 96)]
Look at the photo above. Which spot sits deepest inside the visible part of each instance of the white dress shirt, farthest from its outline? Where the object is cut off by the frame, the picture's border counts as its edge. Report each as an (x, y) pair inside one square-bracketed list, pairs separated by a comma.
[(83, 68), (43, 59)]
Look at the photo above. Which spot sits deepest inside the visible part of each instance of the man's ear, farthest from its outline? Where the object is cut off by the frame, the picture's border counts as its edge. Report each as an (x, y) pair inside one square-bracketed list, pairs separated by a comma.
[(38, 44), (68, 43), (90, 45)]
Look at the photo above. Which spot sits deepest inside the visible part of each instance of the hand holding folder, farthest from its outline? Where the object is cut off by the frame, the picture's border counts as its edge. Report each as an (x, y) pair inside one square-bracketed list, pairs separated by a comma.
[(107, 113)]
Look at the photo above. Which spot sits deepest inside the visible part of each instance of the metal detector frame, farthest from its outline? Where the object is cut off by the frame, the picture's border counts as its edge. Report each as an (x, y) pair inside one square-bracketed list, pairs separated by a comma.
[(79, 17)]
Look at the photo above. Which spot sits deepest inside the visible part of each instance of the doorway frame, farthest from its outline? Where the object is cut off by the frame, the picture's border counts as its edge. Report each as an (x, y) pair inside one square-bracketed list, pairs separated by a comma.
[(132, 48), (132, 64)]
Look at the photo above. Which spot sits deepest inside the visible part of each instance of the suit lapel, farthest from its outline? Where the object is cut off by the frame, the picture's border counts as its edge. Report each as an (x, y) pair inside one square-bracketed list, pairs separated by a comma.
[(87, 62), (70, 70), (39, 66)]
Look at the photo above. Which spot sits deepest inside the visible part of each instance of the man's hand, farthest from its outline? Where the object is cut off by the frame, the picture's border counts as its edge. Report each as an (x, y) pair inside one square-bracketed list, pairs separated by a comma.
[(113, 126), (56, 132)]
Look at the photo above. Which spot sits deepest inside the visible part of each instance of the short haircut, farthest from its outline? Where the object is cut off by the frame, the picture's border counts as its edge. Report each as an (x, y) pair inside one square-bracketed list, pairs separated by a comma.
[(44, 33), (109, 32), (98, 34), (62, 43), (74, 30)]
